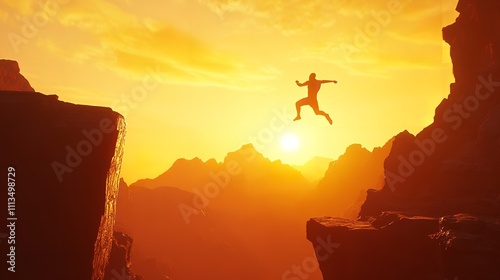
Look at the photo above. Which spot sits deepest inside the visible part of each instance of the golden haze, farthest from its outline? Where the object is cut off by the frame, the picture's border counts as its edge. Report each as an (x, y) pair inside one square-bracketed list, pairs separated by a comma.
[(226, 67)]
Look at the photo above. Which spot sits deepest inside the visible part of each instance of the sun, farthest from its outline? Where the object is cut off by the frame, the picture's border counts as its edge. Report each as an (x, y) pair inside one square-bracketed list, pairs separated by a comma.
[(290, 142)]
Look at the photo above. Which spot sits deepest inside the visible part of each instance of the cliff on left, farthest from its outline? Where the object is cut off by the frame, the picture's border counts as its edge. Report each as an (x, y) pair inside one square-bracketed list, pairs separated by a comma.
[(59, 172)]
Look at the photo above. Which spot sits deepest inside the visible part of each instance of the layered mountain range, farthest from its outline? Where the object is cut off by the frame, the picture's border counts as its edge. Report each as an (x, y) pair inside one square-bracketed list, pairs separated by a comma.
[(241, 218)]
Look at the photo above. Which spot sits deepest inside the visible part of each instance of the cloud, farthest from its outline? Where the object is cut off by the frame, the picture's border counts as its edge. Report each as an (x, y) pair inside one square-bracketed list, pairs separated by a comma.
[(3, 15), (23, 7), (168, 46), (288, 16), (294, 15), (410, 38), (97, 16), (334, 18), (108, 35), (103, 33), (181, 57)]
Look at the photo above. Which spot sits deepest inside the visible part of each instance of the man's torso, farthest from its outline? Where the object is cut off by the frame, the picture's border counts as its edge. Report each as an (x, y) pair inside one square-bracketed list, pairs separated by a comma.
[(313, 88)]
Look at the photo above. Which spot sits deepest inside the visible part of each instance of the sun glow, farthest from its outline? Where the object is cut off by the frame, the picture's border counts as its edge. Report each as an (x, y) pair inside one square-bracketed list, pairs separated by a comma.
[(290, 142)]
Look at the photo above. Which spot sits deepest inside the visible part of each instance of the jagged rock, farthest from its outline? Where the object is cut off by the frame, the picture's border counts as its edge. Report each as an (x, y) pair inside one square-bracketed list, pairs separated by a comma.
[(470, 246), (67, 160), (392, 248), (11, 78), (119, 266), (456, 156)]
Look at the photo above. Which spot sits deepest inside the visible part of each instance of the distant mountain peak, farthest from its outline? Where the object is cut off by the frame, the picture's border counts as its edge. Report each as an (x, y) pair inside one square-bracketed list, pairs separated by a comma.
[(356, 148), (248, 146), (195, 160), (212, 163), (247, 153)]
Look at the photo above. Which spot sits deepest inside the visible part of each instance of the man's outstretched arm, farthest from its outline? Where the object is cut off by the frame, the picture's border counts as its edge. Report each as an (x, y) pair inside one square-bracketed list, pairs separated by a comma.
[(300, 84), (328, 81)]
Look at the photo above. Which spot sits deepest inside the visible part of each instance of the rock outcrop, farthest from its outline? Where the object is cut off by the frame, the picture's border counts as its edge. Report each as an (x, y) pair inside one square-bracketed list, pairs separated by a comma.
[(437, 215), (11, 78), (393, 247), (119, 266), (63, 161)]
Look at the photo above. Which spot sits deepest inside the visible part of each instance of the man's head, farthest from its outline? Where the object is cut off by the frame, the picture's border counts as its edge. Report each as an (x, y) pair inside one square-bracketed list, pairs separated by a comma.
[(312, 77)]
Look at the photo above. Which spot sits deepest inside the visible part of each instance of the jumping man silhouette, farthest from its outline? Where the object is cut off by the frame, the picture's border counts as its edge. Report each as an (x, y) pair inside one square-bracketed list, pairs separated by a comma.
[(313, 87)]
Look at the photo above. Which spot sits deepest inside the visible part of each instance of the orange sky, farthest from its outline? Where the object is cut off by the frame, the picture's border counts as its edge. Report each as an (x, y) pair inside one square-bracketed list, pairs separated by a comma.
[(199, 78)]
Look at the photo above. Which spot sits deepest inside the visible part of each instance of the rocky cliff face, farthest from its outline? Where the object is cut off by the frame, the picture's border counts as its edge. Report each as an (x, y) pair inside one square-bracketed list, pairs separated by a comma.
[(119, 266), (437, 216), (63, 163), (11, 78), (456, 157)]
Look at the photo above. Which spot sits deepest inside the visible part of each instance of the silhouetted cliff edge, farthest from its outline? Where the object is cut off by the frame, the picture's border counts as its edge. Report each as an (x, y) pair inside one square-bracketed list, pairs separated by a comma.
[(438, 214), (11, 78), (62, 162)]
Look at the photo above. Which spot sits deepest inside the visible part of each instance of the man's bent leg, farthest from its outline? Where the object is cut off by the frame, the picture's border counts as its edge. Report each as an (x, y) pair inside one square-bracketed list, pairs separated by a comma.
[(298, 104), (317, 111)]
